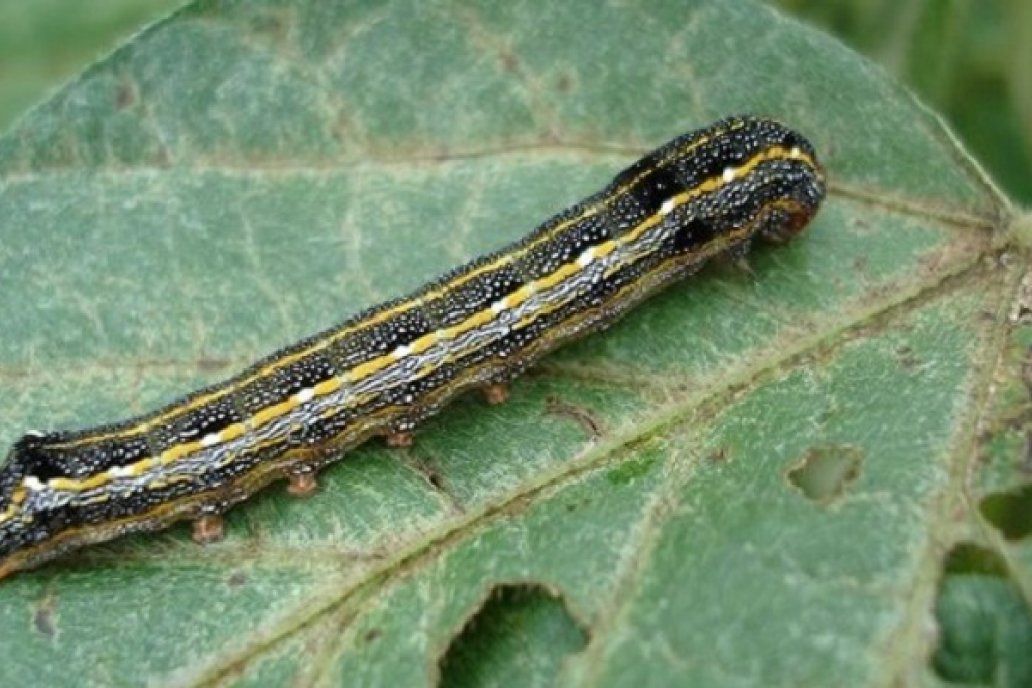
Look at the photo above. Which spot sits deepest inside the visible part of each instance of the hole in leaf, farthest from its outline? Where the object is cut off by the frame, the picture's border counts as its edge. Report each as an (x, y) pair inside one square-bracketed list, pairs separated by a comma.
[(824, 473), (520, 635), (985, 624), (1010, 512), (970, 559)]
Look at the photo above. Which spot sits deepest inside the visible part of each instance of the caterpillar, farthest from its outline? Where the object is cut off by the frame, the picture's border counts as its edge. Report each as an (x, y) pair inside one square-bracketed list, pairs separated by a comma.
[(380, 373)]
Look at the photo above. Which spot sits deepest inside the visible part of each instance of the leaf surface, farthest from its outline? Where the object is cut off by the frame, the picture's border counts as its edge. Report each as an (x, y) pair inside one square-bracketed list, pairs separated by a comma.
[(749, 480)]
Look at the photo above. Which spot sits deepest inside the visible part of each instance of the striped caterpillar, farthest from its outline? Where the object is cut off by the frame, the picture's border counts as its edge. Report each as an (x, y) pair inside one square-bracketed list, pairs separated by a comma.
[(703, 194)]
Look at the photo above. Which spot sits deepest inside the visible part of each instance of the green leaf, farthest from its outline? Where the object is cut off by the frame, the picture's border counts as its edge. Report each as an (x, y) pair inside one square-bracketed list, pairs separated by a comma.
[(751, 480), (46, 41)]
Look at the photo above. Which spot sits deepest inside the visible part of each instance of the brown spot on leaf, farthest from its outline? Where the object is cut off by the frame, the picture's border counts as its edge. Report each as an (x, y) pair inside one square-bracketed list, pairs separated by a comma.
[(432, 475), (269, 25), (125, 96), (161, 158), (591, 426), (206, 364), (43, 619), (342, 127), (720, 455), (578, 504), (907, 358), (510, 62)]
